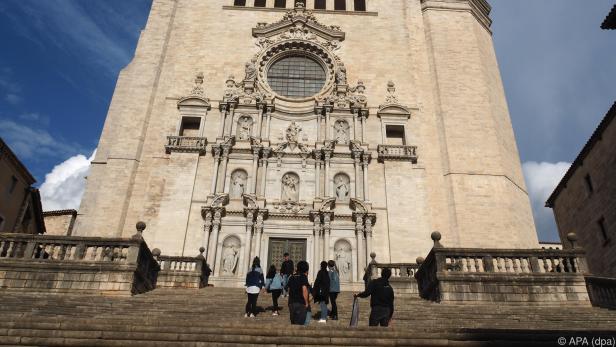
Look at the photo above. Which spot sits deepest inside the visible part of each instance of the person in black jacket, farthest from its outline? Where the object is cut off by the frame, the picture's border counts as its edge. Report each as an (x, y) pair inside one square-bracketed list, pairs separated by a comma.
[(321, 291), (254, 284), (381, 299), (299, 289), (286, 269)]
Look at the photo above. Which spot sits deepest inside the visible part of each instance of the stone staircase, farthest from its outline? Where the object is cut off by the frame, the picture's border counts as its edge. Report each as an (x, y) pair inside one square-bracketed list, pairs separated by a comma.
[(214, 317)]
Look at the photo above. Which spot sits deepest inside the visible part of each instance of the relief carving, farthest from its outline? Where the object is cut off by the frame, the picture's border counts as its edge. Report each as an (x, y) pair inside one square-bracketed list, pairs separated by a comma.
[(230, 255)]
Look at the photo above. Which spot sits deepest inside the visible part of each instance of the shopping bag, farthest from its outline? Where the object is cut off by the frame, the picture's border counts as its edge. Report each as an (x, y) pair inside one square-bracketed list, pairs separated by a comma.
[(355, 313)]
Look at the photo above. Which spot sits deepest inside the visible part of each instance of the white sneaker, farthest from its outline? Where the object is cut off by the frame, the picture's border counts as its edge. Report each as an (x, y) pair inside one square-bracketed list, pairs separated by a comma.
[(275, 314), (245, 315), (252, 315), (322, 321)]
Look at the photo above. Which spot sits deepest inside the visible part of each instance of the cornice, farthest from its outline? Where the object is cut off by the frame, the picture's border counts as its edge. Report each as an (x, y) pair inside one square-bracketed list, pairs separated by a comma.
[(479, 8)]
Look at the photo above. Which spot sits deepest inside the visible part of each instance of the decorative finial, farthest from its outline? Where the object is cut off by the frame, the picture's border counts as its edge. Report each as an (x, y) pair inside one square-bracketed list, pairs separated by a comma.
[(300, 4), (436, 237), (156, 252), (373, 256), (420, 260), (140, 226), (572, 237), (201, 250)]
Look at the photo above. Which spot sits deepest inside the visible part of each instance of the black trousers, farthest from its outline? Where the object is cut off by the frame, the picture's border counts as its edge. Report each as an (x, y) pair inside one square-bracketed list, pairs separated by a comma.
[(332, 299), (251, 305), (297, 313), (275, 295), (379, 315)]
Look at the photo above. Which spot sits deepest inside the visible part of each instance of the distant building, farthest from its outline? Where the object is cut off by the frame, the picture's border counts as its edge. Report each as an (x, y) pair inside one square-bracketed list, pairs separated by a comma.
[(584, 201), (20, 203), (60, 222), (610, 20)]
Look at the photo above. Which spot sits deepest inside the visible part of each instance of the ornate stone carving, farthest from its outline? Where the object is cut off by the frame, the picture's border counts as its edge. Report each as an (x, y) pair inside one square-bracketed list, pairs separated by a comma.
[(290, 207), (198, 88), (344, 259), (230, 255), (341, 74), (238, 184), (341, 186), (397, 152), (342, 131), (292, 133), (251, 70), (391, 97), (290, 187), (292, 137), (244, 128), (327, 205)]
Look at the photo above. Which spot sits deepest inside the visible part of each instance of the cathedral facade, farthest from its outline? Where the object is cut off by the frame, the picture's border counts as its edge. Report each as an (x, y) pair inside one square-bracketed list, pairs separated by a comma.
[(326, 129)]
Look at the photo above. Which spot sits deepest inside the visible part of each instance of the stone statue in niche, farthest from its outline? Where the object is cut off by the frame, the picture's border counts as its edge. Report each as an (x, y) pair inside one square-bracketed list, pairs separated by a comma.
[(341, 182), (344, 260), (230, 256), (244, 128), (238, 184), (341, 75), (342, 131), (290, 187), (251, 70)]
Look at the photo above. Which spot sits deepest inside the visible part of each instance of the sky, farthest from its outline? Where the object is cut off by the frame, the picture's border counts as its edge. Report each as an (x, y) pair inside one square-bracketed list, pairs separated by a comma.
[(61, 58)]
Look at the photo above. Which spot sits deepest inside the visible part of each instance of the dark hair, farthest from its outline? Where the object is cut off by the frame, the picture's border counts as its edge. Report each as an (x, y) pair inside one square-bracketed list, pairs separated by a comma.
[(386, 273), (332, 264), (323, 265), (285, 254), (271, 272), (302, 266), (256, 262)]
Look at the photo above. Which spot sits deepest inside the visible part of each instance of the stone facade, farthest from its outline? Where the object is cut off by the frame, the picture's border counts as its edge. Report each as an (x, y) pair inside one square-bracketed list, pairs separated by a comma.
[(20, 203), (583, 202), (199, 145), (60, 223)]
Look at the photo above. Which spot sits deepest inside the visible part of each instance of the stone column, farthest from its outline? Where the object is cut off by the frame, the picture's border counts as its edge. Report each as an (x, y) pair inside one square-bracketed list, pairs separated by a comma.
[(248, 241), (328, 134), (207, 225), (229, 121), (319, 127), (217, 152), (255, 162), (368, 229), (317, 173), (361, 251), (363, 120), (260, 121), (316, 229), (327, 153), (357, 191), (211, 259), (268, 116), (355, 132), (326, 235), (366, 157), (223, 118), (258, 234), (266, 152), (225, 160)]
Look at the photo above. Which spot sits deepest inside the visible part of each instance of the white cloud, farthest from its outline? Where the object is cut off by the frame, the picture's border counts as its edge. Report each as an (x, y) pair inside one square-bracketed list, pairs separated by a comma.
[(30, 143), (541, 179), (64, 185), (12, 98)]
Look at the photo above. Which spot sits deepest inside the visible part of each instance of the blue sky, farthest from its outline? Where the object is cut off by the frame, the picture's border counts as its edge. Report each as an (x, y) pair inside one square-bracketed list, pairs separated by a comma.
[(61, 58)]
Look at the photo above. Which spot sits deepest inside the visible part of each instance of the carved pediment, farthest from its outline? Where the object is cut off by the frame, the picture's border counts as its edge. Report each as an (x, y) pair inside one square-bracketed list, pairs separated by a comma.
[(327, 205), (299, 22), (360, 206), (392, 106)]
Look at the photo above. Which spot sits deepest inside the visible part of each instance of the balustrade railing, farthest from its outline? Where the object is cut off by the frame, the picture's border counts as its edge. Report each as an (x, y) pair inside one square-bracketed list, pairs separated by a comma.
[(397, 152), (186, 144), (175, 269), (398, 270)]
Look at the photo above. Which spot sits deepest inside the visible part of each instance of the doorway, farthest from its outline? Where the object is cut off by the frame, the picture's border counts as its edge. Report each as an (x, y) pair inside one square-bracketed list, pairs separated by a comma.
[(278, 247)]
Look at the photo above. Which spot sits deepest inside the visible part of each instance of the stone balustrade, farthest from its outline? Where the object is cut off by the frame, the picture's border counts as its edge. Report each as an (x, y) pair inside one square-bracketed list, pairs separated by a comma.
[(182, 272), (397, 152), (65, 263), (186, 144), (398, 270), (602, 291), (503, 275)]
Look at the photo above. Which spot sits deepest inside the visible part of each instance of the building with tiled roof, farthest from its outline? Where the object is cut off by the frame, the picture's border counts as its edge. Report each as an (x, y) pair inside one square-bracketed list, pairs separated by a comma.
[(610, 20)]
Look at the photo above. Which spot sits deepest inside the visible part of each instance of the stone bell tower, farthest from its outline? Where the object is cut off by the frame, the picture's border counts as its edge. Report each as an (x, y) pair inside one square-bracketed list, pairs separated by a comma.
[(256, 128)]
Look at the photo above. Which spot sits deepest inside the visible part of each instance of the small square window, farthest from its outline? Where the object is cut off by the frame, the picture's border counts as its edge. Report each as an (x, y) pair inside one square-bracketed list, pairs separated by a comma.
[(395, 135), (190, 126), (239, 3), (360, 5), (320, 4), (260, 3), (340, 5), (280, 3)]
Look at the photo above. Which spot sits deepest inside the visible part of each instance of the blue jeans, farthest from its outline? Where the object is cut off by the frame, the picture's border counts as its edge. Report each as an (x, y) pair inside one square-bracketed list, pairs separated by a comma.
[(323, 305), (285, 281)]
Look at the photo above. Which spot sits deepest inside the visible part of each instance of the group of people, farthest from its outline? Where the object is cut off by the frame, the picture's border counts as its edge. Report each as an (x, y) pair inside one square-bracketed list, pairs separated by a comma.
[(293, 282)]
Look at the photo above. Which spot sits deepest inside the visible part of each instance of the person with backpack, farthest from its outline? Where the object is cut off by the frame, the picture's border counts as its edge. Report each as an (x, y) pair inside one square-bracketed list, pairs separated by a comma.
[(298, 288), (254, 284), (273, 285), (287, 270), (321, 290), (381, 299), (334, 288)]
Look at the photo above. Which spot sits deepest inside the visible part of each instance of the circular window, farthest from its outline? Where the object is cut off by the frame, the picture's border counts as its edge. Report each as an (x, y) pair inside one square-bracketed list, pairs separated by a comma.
[(296, 76)]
